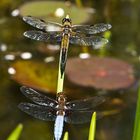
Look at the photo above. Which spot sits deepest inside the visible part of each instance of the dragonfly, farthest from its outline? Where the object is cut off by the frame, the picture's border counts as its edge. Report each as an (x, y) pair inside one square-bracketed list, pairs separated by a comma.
[(59, 110), (65, 34)]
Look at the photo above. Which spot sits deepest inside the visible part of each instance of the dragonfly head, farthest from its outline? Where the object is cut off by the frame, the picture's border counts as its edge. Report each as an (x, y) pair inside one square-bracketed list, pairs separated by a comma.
[(66, 21)]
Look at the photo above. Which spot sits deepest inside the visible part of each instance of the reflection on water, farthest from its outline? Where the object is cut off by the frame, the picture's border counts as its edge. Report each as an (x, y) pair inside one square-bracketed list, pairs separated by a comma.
[(124, 44)]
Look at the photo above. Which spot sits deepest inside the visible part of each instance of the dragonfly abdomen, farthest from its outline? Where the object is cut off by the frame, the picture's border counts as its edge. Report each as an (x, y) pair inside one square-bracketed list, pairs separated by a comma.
[(58, 127)]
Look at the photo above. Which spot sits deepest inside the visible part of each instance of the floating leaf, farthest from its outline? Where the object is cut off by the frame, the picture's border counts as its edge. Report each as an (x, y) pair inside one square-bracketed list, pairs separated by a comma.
[(47, 10), (35, 74), (101, 73)]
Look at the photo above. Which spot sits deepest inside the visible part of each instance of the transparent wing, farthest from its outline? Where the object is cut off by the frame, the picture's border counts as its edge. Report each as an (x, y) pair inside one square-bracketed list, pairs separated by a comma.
[(41, 36), (91, 29), (95, 41), (40, 24), (85, 104), (38, 112), (80, 117), (37, 97)]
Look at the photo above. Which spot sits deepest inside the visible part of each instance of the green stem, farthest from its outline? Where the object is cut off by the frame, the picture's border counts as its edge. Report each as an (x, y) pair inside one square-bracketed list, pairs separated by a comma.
[(92, 127), (60, 80), (16, 133), (79, 3), (66, 136), (136, 133)]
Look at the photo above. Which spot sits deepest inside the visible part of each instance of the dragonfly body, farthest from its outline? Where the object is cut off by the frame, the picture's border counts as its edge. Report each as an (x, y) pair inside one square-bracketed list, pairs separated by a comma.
[(64, 49), (60, 111), (66, 34), (58, 127), (59, 122)]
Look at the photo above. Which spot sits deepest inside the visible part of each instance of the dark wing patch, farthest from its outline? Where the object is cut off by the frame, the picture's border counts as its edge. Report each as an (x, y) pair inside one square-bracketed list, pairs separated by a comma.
[(85, 104), (40, 24), (38, 112), (95, 41), (91, 29), (38, 98), (80, 117), (46, 37)]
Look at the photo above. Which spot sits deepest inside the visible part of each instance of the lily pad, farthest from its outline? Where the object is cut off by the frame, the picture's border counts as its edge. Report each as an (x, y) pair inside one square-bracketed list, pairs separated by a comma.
[(100, 73), (40, 76), (36, 75), (47, 10)]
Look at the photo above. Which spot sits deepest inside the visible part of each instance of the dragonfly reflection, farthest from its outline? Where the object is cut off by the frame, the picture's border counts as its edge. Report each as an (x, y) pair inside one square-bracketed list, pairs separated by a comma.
[(59, 110), (66, 33)]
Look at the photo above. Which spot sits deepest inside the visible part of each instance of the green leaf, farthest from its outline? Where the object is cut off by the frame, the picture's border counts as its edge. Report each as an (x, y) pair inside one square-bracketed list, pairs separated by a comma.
[(66, 136), (92, 127), (16, 133), (136, 133), (78, 14)]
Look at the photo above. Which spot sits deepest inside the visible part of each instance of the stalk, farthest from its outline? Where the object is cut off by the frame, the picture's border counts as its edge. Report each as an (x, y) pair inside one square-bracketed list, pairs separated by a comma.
[(16, 133), (66, 136), (92, 127), (136, 133)]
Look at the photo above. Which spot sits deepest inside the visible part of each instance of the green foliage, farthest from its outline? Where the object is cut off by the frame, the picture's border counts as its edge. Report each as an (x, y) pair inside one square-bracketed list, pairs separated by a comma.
[(92, 127), (136, 133), (66, 136), (16, 133)]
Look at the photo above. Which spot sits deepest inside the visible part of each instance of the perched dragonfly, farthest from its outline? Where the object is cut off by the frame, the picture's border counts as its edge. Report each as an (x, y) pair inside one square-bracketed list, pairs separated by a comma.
[(59, 110), (66, 33)]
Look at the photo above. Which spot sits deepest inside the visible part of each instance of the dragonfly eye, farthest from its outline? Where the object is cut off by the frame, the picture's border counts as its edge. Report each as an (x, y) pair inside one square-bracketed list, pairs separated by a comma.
[(69, 20), (64, 20)]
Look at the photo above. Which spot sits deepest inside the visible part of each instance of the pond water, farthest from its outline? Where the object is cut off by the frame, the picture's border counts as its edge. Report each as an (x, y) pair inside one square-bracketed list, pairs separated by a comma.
[(124, 44)]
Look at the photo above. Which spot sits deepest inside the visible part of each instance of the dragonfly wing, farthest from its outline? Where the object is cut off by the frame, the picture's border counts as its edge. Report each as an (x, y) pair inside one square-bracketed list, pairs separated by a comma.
[(41, 24), (91, 29), (38, 112), (80, 117), (85, 104), (42, 36), (95, 41), (37, 97)]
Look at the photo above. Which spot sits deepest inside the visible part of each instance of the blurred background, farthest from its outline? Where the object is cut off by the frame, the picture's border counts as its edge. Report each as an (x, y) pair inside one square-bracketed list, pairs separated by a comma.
[(111, 70)]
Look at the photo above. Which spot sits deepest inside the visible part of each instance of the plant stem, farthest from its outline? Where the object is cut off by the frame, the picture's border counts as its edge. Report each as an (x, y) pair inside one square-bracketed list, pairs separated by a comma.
[(60, 80), (16, 133), (92, 127), (66, 136), (136, 133), (79, 3)]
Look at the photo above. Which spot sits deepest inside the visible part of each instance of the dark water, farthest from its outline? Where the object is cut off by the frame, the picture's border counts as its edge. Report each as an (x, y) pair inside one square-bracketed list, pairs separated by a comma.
[(124, 44)]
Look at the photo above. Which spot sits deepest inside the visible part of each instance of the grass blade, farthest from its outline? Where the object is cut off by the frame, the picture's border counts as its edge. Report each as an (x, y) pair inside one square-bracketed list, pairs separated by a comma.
[(16, 133), (136, 133), (92, 127), (66, 136)]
